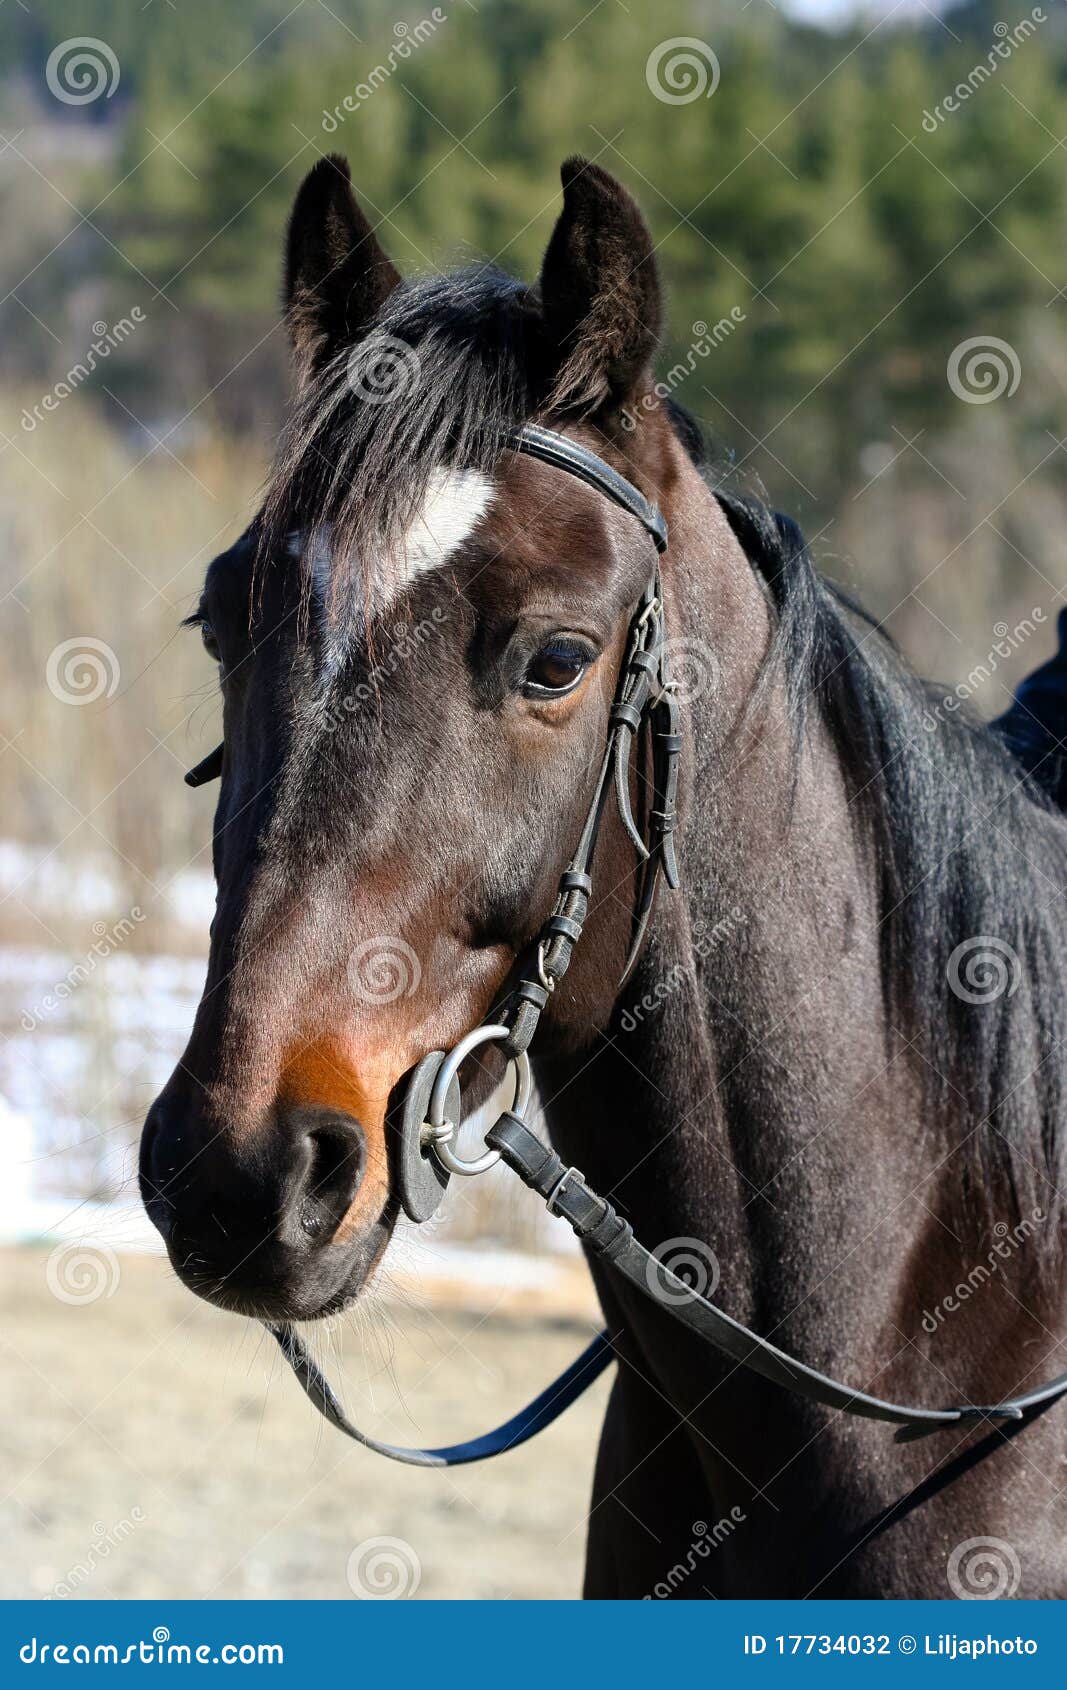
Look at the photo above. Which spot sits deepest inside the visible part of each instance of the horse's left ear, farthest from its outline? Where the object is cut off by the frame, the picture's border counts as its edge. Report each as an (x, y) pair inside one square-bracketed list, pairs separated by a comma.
[(336, 274), (600, 292)]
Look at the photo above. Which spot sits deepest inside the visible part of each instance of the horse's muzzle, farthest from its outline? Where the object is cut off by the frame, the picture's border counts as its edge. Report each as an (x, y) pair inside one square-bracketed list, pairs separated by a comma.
[(264, 1223)]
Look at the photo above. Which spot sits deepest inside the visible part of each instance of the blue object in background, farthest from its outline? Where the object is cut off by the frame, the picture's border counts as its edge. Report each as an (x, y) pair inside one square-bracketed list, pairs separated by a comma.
[(1035, 725)]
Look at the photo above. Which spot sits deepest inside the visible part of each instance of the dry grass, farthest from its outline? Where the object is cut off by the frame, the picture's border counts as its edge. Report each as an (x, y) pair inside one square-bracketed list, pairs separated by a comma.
[(107, 538), (150, 1408)]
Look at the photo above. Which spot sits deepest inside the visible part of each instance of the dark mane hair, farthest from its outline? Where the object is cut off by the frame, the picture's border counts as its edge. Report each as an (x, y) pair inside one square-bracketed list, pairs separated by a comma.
[(945, 815), (942, 810)]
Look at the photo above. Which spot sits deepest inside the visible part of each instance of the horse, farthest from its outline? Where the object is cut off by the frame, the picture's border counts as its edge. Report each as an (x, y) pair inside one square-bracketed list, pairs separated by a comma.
[(831, 1083)]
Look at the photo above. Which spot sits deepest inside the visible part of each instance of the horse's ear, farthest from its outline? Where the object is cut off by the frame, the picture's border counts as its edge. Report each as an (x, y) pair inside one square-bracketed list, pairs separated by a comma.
[(336, 273), (600, 291)]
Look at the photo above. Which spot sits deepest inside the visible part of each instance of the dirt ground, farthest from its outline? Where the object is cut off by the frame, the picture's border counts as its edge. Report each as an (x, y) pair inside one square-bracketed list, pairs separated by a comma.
[(153, 1447)]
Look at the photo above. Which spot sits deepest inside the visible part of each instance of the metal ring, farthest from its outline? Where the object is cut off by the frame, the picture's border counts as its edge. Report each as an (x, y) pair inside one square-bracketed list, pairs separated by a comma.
[(435, 1113)]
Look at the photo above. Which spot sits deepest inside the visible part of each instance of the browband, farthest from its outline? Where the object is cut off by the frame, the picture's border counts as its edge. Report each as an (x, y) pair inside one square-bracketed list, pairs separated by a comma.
[(578, 461)]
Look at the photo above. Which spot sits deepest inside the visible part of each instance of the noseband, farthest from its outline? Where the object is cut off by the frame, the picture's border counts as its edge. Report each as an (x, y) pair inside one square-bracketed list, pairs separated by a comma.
[(644, 699)]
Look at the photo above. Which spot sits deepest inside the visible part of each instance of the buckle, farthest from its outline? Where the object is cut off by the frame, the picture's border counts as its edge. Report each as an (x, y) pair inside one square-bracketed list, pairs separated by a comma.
[(552, 1200)]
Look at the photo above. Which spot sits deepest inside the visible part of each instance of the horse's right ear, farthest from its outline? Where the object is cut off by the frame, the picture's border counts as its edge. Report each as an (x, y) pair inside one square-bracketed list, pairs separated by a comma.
[(336, 273)]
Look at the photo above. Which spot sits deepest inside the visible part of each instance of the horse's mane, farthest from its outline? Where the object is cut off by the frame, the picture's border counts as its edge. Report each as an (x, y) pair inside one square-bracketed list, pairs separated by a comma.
[(948, 818), (965, 848)]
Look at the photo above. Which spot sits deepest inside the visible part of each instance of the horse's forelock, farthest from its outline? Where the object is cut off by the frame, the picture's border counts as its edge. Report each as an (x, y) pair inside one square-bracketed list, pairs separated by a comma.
[(442, 376)]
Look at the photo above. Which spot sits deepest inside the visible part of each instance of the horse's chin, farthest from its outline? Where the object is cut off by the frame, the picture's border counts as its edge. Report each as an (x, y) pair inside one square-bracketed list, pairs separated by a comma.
[(280, 1300)]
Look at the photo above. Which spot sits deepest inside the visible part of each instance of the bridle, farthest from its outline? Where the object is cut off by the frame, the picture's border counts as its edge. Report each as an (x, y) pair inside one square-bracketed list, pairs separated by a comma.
[(426, 1160)]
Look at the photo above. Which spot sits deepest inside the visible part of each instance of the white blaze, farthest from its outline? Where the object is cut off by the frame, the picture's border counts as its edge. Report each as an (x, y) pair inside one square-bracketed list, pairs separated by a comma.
[(455, 503)]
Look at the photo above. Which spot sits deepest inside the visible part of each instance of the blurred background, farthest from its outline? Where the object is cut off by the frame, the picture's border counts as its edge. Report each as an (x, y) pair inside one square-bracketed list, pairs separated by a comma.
[(861, 217)]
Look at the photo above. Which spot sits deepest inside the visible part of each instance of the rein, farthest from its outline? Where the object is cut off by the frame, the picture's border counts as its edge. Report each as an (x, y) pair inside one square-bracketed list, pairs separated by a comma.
[(644, 699)]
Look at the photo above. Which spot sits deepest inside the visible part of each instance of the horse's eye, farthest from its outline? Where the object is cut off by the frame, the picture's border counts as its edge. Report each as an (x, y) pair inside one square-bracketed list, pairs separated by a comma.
[(211, 644), (558, 667)]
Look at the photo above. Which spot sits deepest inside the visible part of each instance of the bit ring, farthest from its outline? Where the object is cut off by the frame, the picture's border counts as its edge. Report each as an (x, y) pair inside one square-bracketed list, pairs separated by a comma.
[(437, 1121)]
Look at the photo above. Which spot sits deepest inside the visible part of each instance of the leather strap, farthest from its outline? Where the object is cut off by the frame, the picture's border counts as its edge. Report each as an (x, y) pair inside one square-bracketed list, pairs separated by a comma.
[(556, 449), (595, 1222), (526, 1424), (207, 770), (643, 695), (606, 1234)]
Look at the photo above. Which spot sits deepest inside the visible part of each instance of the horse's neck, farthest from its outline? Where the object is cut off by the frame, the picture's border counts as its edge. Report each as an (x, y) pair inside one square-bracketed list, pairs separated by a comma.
[(750, 1092), (740, 1094)]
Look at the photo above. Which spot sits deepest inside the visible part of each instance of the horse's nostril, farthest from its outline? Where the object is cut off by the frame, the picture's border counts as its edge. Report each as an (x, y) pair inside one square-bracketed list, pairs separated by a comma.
[(335, 1151)]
